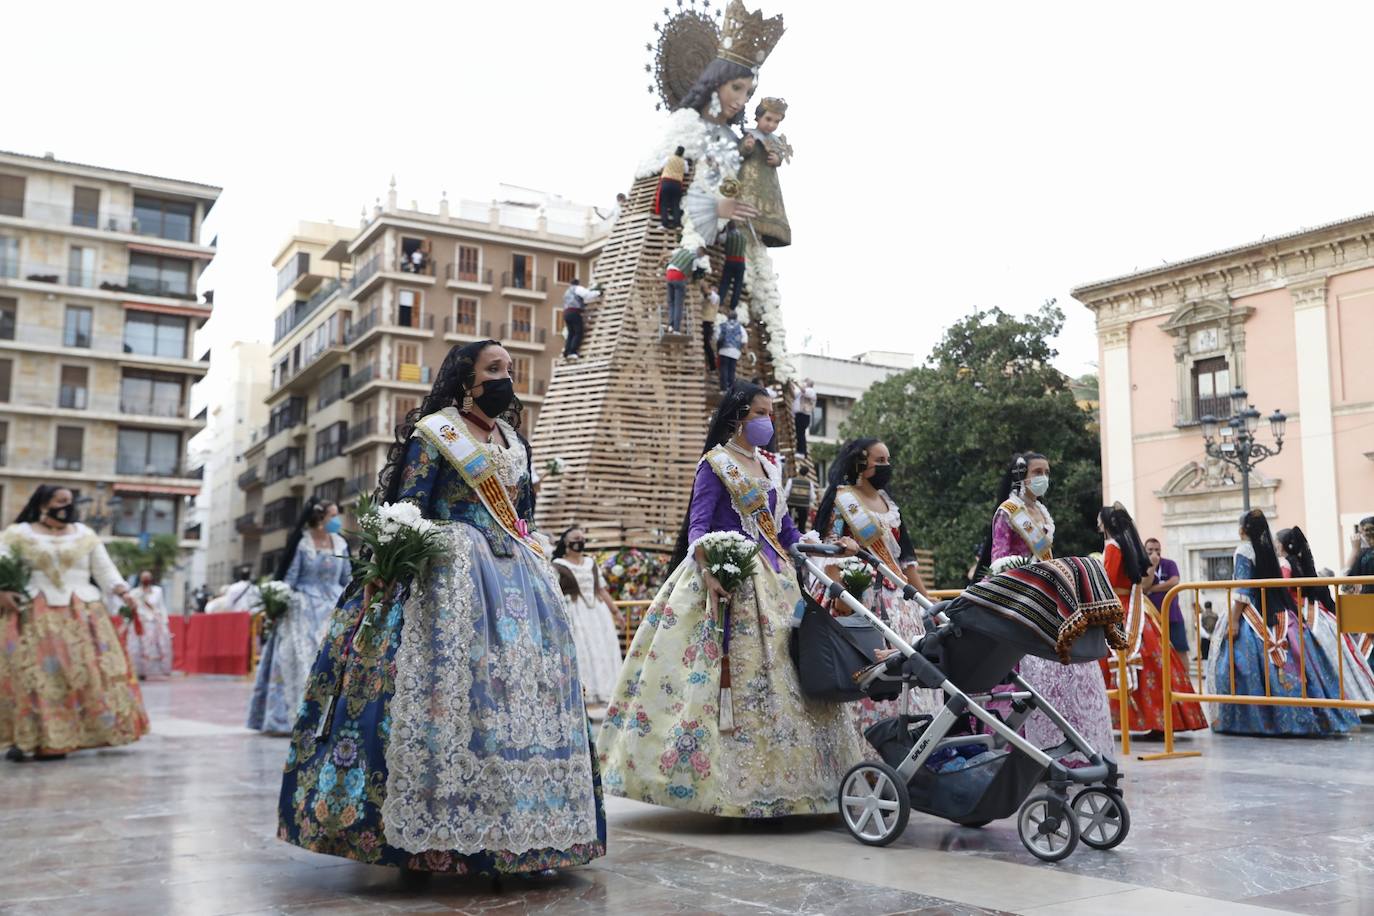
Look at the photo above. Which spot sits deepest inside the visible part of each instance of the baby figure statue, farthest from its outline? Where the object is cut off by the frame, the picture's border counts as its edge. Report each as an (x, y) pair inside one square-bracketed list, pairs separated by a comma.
[(763, 150)]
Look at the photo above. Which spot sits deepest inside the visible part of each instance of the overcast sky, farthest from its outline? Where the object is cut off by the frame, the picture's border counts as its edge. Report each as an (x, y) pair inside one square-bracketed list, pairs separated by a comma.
[(948, 156)]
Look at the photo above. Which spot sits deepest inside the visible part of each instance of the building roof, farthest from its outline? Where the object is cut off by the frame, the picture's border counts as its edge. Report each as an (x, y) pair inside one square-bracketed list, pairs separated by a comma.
[(41, 161), (1221, 253)]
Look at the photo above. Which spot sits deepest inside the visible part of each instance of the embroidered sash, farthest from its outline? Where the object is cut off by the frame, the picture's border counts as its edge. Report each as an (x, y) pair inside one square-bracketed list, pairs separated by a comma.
[(866, 528), (1035, 535), (447, 432), (749, 497)]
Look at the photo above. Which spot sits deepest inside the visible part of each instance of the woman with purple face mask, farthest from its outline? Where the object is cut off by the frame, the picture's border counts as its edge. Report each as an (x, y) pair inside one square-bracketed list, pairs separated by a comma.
[(713, 722)]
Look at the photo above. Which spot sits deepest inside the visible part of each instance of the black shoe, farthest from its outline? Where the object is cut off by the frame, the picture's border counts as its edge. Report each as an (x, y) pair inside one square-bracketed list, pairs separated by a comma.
[(14, 754)]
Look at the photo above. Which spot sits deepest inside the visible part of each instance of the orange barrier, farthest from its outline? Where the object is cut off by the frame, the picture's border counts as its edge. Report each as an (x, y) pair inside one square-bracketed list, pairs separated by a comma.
[(1354, 614), (631, 620)]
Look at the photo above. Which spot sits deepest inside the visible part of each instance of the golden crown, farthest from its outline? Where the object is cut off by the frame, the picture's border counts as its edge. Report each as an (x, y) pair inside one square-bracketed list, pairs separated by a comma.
[(776, 106), (746, 37)]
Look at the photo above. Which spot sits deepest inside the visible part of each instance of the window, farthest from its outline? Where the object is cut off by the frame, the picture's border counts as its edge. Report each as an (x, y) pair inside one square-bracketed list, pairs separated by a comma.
[(521, 322), (331, 387), (9, 257), (76, 331), (281, 513), (158, 276), (72, 393), (67, 456), (267, 565), (407, 362), (1217, 567), (166, 219), (86, 207), (4, 444), (81, 266), (9, 317), (148, 452), (150, 334), (402, 406), (469, 263), (286, 415), (817, 427), (566, 271), (331, 491), (292, 270), (521, 374), (522, 271), (6, 370), (465, 315), (11, 195), (415, 256), (283, 464), (1211, 388), (151, 394), (146, 514), (558, 319), (408, 308), (329, 442)]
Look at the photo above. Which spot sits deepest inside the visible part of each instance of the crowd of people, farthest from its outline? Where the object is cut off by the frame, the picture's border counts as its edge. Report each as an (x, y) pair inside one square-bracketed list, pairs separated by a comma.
[(440, 722)]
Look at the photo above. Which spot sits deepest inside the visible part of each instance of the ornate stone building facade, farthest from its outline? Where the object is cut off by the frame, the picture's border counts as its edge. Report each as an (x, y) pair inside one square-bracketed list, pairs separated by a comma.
[(1291, 320)]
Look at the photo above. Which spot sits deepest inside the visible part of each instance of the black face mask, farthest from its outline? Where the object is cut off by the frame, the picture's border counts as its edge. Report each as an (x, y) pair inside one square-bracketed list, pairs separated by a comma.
[(577, 546), (882, 476), (64, 514), (496, 396)]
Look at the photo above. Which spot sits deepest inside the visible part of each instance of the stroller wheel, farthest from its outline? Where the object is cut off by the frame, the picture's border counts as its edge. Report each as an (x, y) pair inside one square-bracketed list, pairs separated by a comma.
[(874, 803), (1103, 818), (1048, 827)]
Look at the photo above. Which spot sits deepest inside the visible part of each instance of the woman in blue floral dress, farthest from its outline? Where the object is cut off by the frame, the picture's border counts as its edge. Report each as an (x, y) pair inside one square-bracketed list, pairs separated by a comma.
[(1265, 633), (443, 727), (315, 565)]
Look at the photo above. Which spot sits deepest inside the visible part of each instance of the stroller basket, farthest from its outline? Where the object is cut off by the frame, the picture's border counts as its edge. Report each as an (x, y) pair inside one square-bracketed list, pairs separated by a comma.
[(986, 791)]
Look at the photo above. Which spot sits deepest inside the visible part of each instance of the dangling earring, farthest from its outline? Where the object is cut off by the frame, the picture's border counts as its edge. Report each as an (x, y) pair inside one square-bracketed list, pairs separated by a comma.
[(467, 403), (714, 109)]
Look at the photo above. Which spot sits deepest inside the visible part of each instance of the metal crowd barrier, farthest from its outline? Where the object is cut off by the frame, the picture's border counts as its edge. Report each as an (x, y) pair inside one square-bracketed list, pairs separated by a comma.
[(1354, 614)]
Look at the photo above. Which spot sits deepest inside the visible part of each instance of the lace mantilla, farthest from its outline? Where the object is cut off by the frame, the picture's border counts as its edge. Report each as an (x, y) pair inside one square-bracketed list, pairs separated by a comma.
[(489, 749)]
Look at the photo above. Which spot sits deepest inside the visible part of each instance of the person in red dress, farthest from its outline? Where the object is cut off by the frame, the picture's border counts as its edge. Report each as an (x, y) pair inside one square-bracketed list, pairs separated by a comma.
[(1128, 567)]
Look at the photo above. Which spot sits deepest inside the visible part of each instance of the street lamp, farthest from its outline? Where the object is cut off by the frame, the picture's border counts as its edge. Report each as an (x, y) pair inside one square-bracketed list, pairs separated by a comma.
[(97, 519), (1242, 451)]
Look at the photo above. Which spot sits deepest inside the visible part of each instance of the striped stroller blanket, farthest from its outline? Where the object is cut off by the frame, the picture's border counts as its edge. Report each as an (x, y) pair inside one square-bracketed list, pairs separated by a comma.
[(1057, 600)]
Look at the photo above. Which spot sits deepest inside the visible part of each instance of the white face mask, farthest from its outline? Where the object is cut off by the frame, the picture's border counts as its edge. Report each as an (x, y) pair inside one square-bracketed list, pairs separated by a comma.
[(1038, 485)]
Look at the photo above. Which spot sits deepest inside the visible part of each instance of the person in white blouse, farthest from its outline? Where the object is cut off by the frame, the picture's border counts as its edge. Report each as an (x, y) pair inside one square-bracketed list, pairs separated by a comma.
[(65, 680), (150, 651)]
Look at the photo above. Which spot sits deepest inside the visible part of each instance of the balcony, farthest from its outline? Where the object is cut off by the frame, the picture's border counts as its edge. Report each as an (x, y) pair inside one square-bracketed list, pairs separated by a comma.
[(56, 342), (66, 215), (466, 331), (524, 285), (296, 275), (167, 289), (478, 281), (179, 470), (366, 277), (522, 335), (301, 311), (356, 486), (248, 524), (362, 429), (250, 478), (376, 321), (152, 407), (360, 378), (1190, 413)]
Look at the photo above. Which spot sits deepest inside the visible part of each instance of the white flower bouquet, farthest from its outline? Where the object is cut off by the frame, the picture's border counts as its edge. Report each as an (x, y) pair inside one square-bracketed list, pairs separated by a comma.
[(14, 577), (276, 600), (400, 541), (730, 558)]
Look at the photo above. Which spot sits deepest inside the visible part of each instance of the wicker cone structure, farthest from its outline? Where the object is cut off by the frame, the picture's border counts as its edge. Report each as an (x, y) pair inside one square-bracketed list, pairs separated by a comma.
[(629, 417)]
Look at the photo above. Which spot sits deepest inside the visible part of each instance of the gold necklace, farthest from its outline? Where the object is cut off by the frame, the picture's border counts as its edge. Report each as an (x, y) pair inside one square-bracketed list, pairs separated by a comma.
[(739, 449)]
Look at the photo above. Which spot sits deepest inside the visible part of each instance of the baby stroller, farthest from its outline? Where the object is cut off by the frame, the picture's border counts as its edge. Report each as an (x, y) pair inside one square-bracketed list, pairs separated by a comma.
[(967, 651)]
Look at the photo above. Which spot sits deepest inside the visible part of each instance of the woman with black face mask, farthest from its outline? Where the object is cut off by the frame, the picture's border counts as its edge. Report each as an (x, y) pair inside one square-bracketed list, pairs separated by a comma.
[(443, 727), (593, 615), (65, 679), (857, 505)]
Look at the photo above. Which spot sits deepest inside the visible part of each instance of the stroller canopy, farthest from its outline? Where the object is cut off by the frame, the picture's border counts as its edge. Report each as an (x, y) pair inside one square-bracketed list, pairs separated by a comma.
[(1061, 609)]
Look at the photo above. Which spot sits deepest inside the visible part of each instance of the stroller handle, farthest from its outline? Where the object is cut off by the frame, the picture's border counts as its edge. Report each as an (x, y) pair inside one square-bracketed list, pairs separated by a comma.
[(800, 550)]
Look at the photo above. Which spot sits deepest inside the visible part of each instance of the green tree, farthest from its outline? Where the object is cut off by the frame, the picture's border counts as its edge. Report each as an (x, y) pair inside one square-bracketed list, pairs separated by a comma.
[(988, 390), (159, 556)]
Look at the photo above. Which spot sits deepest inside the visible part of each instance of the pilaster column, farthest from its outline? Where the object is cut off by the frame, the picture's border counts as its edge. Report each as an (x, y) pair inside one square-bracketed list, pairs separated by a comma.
[(1118, 451), (1317, 441)]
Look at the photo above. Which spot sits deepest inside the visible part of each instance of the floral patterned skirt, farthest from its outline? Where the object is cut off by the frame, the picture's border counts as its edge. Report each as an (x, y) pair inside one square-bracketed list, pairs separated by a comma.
[(1146, 697), (1285, 679), (65, 681), (1079, 695), (446, 731), (662, 742)]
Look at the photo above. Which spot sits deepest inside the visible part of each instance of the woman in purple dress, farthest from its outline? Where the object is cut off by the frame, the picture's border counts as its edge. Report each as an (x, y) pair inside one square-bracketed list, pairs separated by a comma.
[(1023, 531), (667, 739)]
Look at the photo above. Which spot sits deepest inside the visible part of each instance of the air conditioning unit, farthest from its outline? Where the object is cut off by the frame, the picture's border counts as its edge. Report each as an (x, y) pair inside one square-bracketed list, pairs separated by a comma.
[(112, 225)]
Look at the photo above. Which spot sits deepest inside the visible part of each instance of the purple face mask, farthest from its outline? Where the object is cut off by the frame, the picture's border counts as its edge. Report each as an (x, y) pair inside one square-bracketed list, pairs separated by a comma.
[(759, 431)]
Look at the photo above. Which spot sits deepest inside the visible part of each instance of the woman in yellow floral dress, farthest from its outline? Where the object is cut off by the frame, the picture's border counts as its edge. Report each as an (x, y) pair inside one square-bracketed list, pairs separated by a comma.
[(65, 679)]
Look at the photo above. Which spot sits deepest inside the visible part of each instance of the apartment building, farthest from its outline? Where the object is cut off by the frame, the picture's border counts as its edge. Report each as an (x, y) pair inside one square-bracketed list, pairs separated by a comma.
[(238, 411), (98, 314), (365, 318)]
